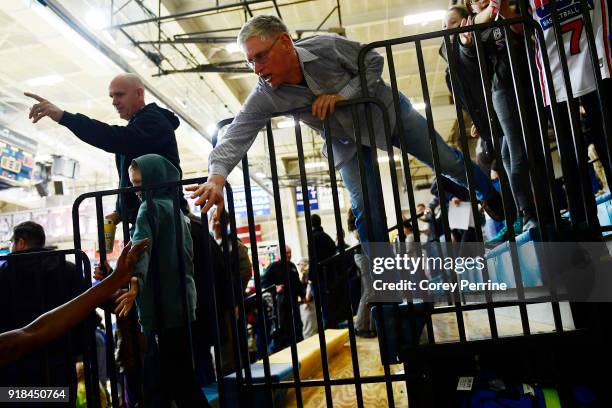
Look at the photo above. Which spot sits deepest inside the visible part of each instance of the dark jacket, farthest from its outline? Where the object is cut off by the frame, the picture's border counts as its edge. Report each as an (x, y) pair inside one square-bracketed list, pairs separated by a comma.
[(158, 223), (495, 46), (324, 247), (469, 86), (150, 130), (31, 285)]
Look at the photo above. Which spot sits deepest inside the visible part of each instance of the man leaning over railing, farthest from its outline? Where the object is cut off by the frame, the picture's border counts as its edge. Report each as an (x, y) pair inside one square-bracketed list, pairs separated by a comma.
[(321, 71)]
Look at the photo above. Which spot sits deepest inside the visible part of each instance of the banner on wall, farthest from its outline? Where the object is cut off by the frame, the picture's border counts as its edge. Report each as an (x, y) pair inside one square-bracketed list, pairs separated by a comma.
[(312, 198), (259, 198), (320, 198)]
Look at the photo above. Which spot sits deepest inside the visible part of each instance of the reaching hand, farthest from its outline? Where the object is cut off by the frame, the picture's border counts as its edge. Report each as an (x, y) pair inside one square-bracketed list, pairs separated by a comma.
[(466, 38), (126, 300), (210, 193), (128, 258), (43, 108), (101, 273), (325, 104), (474, 131), (114, 217)]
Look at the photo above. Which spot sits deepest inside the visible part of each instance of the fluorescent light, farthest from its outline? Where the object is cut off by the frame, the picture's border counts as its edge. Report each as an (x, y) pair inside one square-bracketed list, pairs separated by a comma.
[(260, 174), (77, 41), (181, 102), (46, 80), (419, 106), (211, 129), (108, 37), (128, 53), (285, 124), (315, 165), (95, 19), (232, 48), (424, 18)]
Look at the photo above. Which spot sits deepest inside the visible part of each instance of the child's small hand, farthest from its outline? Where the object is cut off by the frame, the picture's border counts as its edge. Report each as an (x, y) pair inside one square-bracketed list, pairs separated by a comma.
[(126, 300)]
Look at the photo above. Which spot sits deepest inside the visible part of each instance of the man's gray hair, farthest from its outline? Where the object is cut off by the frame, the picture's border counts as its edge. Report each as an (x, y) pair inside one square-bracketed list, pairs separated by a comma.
[(263, 26)]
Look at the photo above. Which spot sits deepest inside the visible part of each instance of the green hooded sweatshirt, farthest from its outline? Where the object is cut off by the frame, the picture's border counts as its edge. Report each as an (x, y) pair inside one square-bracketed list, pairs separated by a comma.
[(155, 169)]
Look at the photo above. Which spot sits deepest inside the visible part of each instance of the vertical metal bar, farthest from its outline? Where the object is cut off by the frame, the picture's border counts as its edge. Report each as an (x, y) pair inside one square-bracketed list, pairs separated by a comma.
[(407, 177), (313, 256), (450, 52), (370, 233), (132, 316), (90, 364), (281, 241), (339, 13), (504, 182), (542, 119), (567, 165), (154, 261), (396, 201), (179, 227), (110, 343), (537, 187), (239, 293), (206, 254), (367, 210), (235, 344), (257, 278), (578, 144), (437, 168)]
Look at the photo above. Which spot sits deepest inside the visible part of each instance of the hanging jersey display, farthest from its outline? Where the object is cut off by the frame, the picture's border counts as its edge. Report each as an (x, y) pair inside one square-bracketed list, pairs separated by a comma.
[(576, 47)]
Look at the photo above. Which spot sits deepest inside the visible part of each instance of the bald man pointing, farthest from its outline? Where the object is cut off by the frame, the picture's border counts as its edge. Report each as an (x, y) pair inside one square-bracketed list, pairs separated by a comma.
[(150, 129)]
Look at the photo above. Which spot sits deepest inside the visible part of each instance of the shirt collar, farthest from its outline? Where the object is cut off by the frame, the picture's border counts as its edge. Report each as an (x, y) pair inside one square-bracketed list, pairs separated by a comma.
[(304, 55)]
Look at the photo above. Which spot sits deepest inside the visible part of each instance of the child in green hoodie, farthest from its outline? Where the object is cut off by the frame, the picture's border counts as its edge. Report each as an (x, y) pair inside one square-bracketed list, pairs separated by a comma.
[(162, 319)]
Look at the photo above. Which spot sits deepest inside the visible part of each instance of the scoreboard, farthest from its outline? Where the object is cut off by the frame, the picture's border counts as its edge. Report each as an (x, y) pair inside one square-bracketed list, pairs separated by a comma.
[(16, 158)]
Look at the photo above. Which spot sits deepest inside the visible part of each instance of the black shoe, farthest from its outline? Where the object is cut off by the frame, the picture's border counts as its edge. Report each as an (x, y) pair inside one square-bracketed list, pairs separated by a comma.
[(494, 206), (366, 334)]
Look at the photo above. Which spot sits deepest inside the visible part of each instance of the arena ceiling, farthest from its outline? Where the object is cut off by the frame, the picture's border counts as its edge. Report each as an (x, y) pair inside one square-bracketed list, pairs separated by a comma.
[(68, 50)]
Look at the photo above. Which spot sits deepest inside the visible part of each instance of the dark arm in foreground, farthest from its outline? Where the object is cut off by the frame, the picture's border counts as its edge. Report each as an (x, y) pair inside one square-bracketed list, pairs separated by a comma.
[(16, 343)]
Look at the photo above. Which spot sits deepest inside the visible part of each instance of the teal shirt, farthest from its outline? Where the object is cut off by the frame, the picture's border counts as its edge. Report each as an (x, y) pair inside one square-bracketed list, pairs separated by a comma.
[(162, 235)]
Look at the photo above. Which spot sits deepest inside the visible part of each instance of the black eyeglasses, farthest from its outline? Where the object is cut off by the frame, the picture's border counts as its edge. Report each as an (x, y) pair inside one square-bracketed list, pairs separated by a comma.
[(262, 56)]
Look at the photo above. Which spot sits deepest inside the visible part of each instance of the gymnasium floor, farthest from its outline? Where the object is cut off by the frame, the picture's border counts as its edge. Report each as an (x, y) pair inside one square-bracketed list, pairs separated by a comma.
[(445, 329)]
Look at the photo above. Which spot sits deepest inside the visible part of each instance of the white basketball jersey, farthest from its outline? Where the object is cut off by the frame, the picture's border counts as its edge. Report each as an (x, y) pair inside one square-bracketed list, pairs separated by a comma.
[(576, 45)]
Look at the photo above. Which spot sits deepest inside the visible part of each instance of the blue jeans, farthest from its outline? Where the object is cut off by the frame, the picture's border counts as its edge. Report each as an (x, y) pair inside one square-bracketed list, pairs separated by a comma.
[(416, 134)]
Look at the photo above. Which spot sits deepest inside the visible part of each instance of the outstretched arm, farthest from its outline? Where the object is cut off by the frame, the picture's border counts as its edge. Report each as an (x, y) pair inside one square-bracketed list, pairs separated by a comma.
[(16, 343)]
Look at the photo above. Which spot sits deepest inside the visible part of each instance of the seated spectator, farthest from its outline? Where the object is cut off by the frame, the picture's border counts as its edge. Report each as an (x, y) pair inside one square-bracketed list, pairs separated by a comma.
[(33, 282)]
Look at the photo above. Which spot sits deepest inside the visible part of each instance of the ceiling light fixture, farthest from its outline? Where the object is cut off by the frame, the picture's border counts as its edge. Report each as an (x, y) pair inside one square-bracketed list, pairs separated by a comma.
[(95, 19), (128, 53), (232, 48), (424, 18), (108, 37), (46, 80)]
